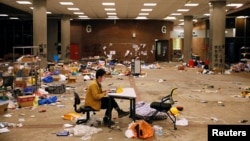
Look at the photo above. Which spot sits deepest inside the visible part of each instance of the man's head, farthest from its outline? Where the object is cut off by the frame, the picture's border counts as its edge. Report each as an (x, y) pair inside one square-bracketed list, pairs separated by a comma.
[(100, 73)]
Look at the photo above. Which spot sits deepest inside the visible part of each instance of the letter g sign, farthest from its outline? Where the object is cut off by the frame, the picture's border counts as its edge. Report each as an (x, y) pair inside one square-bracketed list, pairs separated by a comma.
[(164, 29), (88, 28)]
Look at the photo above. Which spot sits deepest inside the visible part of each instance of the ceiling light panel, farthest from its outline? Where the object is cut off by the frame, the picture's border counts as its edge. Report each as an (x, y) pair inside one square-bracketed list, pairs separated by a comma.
[(108, 3), (3, 15), (182, 10), (149, 4), (78, 13), (66, 3), (143, 14), (176, 14), (170, 18), (109, 9), (191, 4), (141, 18), (73, 9), (146, 10), (23, 2), (234, 4)]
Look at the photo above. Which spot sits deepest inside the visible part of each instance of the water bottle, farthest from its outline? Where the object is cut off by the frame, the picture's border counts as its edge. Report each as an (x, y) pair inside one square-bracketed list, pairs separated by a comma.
[(158, 130)]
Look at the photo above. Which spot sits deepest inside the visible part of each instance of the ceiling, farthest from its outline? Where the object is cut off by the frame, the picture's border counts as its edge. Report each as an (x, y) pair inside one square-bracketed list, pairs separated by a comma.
[(125, 9)]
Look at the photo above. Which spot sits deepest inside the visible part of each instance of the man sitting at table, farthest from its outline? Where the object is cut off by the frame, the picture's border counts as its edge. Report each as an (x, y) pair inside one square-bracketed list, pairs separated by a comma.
[(96, 98)]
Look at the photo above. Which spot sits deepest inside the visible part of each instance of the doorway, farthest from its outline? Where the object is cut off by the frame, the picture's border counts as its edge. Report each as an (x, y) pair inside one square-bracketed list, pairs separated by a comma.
[(161, 50)]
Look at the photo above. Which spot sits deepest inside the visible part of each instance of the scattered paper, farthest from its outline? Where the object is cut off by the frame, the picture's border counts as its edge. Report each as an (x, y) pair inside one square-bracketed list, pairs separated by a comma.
[(182, 122), (3, 130)]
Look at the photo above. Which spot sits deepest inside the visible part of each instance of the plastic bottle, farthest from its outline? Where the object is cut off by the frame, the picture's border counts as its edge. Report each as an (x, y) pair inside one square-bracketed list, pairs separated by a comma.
[(158, 130), (35, 101)]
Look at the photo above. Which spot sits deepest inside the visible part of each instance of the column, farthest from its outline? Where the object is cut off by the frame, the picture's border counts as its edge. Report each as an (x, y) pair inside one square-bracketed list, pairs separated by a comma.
[(65, 38), (188, 37), (217, 35), (40, 29)]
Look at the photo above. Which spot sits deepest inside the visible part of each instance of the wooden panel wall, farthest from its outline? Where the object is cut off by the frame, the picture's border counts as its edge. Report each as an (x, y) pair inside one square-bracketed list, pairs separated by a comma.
[(117, 36)]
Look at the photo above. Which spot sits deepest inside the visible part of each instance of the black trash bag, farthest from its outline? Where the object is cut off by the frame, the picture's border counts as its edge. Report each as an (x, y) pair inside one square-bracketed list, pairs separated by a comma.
[(56, 89)]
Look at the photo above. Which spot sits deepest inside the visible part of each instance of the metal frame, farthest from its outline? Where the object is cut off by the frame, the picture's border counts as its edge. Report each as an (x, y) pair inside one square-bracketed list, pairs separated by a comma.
[(25, 47)]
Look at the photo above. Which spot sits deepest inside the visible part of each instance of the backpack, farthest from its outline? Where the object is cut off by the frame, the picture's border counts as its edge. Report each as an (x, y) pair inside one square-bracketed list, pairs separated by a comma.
[(142, 129)]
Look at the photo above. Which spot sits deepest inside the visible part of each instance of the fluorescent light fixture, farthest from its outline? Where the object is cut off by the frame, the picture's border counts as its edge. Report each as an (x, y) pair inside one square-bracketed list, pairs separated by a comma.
[(23, 2), (183, 10), (49, 12), (149, 4), (170, 18), (14, 18), (241, 17), (83, 16), (73, 9), (143, 14), (206, 14), (191, 4), (181, 23), (112, 17), (182, 20), (176, 14), (66, 3), (141, 17), (147, 10), (3, 15), (111, 13), (109, 9), (78, 13), (108, 3), (234, 4)]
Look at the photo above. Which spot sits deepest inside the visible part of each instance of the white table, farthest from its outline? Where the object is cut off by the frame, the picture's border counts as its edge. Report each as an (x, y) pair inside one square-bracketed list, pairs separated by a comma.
[(128, 93)]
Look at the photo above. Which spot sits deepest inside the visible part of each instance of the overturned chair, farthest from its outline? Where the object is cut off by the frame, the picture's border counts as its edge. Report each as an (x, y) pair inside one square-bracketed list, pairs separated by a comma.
[(82, 109), (164, 106)]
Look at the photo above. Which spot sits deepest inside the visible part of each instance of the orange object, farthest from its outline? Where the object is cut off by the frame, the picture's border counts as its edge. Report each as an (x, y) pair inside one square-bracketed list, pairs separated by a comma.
[(42, 110)]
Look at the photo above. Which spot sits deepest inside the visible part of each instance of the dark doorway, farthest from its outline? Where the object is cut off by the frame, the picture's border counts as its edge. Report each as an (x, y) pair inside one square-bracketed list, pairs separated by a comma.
[(161, 50)]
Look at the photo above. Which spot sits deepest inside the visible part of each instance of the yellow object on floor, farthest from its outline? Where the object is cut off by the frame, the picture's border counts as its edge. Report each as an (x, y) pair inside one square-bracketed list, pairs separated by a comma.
[(71, 116), (174, 111)]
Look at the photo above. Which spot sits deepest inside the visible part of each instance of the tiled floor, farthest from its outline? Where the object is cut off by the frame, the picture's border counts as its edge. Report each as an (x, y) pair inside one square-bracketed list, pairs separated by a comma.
[(206, 99)]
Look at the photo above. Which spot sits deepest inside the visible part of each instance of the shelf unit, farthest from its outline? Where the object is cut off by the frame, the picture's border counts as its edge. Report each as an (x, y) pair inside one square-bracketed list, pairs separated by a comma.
[(36, 65)]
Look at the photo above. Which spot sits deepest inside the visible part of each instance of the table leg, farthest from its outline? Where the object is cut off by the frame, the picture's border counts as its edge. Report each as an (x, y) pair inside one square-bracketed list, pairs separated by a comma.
[(133, 109), (109, 114)]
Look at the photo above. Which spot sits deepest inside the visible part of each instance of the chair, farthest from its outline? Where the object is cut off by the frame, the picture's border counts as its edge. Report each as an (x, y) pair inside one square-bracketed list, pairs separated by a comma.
[(164, 106), (8, 82), (82, 109)]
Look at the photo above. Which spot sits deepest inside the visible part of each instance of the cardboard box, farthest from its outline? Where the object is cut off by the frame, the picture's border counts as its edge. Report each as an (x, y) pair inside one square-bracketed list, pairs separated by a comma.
[(72, 79), (25, 101), (20, 84), (56, 77), (3, 106)]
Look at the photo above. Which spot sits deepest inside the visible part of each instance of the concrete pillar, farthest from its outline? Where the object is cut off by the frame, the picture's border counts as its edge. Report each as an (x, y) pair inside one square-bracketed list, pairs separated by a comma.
[(217, 35), (65, 38), (40, 29), (188, 37), (52, 38)]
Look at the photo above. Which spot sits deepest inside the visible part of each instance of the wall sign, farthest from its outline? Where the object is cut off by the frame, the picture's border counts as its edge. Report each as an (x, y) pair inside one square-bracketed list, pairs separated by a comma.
[(164, 29), (88, 28)]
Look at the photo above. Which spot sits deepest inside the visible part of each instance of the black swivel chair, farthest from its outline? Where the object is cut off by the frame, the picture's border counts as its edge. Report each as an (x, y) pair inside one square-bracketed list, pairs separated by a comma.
[(82, 109), (164, 106)]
